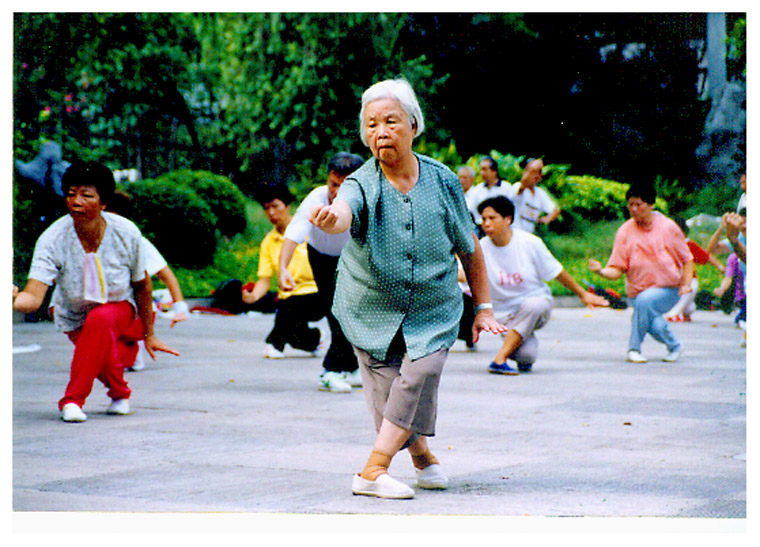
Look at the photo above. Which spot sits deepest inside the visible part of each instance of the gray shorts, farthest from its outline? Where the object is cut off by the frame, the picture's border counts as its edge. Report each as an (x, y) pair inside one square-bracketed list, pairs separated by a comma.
[(403, 391), (533, 314)]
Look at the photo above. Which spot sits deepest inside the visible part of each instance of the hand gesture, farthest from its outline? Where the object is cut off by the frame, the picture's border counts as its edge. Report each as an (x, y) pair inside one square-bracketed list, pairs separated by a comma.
[(286, 281), (153, 344), (594, 265), (591, 300), (485, 321)]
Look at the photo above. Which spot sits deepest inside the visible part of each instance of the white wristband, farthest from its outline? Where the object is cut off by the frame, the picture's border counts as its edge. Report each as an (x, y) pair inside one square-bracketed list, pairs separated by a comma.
[(485, 306), (180, 307)]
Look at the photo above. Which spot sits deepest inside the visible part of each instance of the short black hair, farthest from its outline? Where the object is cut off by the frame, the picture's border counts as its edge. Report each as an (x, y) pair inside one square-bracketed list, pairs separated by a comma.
[(89, 173), (642, 190), (344, 163), (492, 162), (501, 204), (270, 192)]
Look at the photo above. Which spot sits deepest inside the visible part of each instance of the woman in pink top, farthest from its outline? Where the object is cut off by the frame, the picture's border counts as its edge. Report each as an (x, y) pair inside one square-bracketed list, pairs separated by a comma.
[(651, 250)]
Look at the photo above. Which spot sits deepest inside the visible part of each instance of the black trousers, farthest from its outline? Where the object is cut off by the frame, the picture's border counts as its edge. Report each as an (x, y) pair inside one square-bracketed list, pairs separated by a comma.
[(340, 356), (291, 322)]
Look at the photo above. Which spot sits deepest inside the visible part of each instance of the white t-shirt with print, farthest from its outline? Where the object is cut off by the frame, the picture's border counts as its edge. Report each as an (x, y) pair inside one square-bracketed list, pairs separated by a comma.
[(518, 270), (529, 206)]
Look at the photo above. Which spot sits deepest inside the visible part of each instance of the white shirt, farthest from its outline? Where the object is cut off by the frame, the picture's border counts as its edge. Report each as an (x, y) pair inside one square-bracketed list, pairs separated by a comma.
[(154, 262), (481, 192), (742, 202), (59, 259), (529, 206), (300, 229), (519, 269)]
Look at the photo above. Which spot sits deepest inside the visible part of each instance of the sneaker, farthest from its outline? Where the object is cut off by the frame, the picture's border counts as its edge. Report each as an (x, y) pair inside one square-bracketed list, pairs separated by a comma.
[(673, 356), (72, 413), (524, 367), (118, 407), (432, 478), (502, 368), (139, 363), (353, 378), (333, 382), (383, 486), (272, 352), (636, 357)]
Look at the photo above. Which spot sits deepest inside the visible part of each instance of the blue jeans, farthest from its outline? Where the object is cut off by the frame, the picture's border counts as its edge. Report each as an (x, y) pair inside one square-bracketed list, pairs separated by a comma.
[(648, 308)]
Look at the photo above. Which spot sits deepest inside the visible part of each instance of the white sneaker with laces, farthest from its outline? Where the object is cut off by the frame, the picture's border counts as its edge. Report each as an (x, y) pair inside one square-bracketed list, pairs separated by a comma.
[(333, 382), (673, 356), (273, 353), (354, 378), (139, 363), (432, 478), (636, 357), (72, 413), (118, 407)]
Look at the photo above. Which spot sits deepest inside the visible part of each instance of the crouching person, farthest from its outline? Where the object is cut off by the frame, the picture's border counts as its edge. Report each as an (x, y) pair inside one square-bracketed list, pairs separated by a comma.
[(102, 298), (519, 265)]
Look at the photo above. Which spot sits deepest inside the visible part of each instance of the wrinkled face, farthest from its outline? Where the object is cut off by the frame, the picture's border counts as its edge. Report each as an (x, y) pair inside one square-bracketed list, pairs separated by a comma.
[(533, 173), (466, 179), (640, 210), (388, 131), (488, 174), (334, 180), (493, 223), (276, 211), (83, 203)]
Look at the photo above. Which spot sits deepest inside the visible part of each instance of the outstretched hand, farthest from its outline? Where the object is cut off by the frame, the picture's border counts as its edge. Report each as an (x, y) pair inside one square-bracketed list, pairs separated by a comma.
[(322, 216), (153, 344), (591, 300), (486, 322)]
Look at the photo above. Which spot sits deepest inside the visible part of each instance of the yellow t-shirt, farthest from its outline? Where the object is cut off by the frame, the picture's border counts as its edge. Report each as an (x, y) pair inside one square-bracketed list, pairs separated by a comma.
[(299, 267)]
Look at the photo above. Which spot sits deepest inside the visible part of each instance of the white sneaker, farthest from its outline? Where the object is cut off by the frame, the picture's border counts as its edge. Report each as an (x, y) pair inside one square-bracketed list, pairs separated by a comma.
[(354, 378), (432, 478), (273, 353), (673, 356), (139, 363), (321, 347), (636, 357), (333, 382), (72, 413), (383, 486), (118, 407)]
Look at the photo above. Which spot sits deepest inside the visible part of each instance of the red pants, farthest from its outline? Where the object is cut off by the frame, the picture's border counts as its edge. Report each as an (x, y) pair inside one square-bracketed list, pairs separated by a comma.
[(103, 347)]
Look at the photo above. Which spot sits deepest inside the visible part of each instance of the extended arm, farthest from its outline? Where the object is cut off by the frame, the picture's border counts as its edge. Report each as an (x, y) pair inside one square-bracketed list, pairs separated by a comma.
[(546, 219), (474, 267), (589, 300), (144, 299), (166, 275), (30, 299), (285, 279), (611, 272), (259, 290), (333, 219)]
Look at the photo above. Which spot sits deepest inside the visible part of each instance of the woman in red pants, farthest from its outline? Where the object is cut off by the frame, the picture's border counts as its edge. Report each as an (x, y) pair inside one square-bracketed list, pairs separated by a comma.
[(102, 298)]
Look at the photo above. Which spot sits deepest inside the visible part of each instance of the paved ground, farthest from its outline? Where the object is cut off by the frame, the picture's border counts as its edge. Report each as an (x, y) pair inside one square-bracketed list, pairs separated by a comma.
[(220, 429)]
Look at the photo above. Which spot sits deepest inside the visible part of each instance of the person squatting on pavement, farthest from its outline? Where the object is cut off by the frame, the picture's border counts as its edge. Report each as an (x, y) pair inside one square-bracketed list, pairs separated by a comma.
[(650, 249), (299, 305), (518, 266), (96, 262), (341, 369), (396, 296)]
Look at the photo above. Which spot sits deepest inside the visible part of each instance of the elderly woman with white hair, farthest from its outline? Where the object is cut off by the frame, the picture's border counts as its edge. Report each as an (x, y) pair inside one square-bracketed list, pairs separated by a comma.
[(397, 297)]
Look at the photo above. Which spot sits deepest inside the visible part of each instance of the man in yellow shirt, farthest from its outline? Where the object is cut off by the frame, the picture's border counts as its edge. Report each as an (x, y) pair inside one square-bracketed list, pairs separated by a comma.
[(298, 306)]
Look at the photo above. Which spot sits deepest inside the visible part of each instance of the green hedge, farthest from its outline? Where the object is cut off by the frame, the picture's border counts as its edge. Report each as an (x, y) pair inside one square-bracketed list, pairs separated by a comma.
[(176, 220), (222, 195)]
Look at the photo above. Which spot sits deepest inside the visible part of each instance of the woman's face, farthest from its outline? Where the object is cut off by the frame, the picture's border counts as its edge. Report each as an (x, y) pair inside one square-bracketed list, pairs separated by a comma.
[(389, 134), (84, 203), (640, 210)]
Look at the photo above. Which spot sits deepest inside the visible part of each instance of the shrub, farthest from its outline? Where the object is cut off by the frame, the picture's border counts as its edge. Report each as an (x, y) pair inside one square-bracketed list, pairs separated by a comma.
[(222, 195), (176, 220)]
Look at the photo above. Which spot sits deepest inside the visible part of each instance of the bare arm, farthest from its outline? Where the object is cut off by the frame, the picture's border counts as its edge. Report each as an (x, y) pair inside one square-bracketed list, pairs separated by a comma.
[(733, 224), (589, 300), (144, 299), (285, 279), (715, 245), (551, 216), (259, 290), (612, 273), (474, 267), (166, 275), (687, 274), (333, 219), (30, 299)]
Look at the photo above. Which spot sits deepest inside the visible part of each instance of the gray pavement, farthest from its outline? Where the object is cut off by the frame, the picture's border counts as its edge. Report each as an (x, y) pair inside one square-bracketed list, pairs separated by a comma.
[(221, 429)]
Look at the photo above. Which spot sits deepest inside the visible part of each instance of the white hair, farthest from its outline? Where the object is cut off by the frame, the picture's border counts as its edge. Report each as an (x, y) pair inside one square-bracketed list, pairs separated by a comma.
[(400, 90)]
